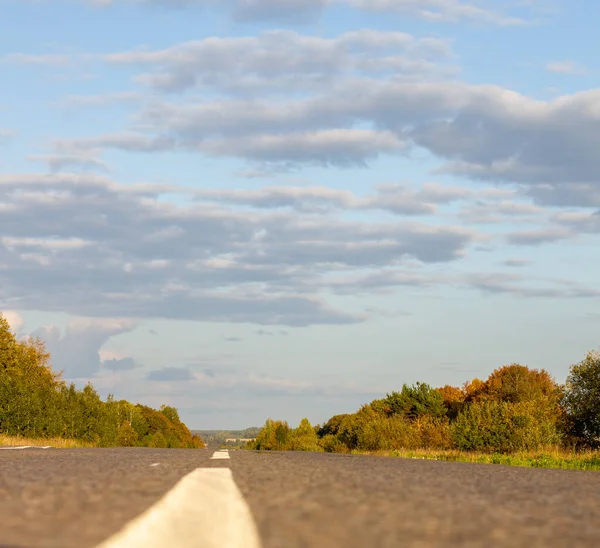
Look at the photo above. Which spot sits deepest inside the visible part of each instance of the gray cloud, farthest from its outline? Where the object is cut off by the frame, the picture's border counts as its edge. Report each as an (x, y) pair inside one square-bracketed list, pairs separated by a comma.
[(287, 61), (526, 287), (485, 133), (279, 11), (540, 236), (282, 11), (306, 11), (129, 141), (103, 249), (265, 333), (171, 374), (448, 11), (103, 100), (339, 147), (58, 162), (491, 283), (121, 364), (501, 211), (518, 263), (376, 311)]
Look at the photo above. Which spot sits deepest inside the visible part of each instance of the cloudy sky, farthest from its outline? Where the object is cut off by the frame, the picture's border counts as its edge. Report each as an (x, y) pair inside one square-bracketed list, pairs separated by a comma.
[(286, 208)]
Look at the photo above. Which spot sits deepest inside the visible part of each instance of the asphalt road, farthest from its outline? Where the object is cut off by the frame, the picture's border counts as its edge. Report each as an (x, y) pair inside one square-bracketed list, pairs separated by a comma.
[(80, 497)]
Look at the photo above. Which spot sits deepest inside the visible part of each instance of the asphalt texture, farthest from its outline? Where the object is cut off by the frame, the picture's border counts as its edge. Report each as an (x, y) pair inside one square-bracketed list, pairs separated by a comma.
[(79, 497)]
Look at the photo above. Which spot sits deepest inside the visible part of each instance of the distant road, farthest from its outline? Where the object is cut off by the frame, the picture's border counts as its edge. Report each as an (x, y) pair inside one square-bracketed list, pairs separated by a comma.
[(79, 498)]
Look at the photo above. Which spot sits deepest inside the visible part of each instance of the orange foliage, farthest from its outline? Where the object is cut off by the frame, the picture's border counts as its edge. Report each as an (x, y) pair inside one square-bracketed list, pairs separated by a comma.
[(516, 383), (473, 390), (451, 395), (454, 399)]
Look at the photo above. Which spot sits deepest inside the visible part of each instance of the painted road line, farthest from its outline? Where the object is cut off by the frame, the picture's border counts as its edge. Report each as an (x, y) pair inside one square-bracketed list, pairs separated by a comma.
[(205, 509), (20, 447), (223, 454)]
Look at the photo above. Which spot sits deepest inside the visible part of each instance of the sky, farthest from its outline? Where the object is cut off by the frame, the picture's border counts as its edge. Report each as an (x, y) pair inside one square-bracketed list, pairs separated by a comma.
[(288, 208)]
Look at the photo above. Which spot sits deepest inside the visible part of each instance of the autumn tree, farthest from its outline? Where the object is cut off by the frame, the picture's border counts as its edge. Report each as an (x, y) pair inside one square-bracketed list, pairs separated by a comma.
[(453, 399), (518, 383)]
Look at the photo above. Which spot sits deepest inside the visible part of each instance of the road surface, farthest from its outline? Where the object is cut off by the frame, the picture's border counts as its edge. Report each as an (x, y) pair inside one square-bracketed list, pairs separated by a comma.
[(81, 497)]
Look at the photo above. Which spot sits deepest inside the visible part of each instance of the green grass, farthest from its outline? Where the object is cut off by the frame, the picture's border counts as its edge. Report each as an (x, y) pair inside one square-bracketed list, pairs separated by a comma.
[(551, 458)]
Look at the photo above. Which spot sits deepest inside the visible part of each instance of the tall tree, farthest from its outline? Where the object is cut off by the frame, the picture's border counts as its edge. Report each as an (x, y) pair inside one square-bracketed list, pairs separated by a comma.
[(582, 400)]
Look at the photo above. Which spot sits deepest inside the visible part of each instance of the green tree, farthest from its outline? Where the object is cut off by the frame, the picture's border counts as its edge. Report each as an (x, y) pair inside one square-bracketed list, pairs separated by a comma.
[(170, 412), (303, 438), (582, 400), (127, 436), (412, 402), (273, 436), (158, 440), (498, 426), (36, 402)]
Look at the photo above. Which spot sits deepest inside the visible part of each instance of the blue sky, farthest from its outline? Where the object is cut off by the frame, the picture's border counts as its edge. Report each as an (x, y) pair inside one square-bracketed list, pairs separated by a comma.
[(287, 208)]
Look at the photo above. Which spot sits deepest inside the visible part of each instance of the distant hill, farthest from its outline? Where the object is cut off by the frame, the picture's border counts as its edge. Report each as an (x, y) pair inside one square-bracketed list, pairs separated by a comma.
[(222, 435)]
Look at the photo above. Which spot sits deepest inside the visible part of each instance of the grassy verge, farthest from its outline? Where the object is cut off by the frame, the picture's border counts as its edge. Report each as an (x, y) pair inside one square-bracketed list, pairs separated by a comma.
[(552, 458), (53, 442)]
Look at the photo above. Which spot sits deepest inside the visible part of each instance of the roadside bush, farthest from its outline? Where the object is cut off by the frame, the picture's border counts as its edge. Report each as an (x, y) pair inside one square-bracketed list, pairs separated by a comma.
[(493, 426), (273, 436), (331, 444), (303, 438)]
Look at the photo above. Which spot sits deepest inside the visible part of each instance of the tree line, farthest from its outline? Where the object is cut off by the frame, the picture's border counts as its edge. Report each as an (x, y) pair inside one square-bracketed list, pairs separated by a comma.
[(220, 436), (35, 402), (516, 408)]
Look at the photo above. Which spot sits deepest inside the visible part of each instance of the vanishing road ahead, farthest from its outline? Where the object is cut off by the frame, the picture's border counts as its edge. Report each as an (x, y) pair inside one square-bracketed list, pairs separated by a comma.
[(79, 498)]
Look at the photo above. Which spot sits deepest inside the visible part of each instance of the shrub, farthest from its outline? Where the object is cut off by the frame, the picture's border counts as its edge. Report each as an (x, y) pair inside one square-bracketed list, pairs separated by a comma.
[(127, 436), (303, 438), (491, 426)]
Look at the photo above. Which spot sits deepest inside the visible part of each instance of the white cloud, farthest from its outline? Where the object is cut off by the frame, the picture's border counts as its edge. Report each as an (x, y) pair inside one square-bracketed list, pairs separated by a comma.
[(14, 319), (566, 67), (77, 351)]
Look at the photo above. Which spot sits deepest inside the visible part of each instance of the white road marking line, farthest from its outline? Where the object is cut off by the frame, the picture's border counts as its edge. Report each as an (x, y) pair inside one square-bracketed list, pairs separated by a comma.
[(155, 464), (204, 510), (222, 454), (19, 447)]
